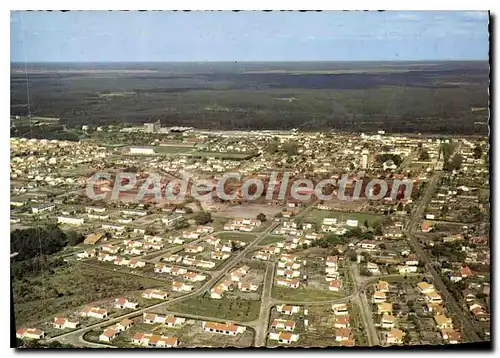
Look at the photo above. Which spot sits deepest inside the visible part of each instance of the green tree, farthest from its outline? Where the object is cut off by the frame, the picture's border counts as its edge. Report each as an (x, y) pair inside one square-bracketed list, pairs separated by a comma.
[(456, 162), (478, 152), (74, 238), (261, 217), (202, 218), (424, 156), (378, 228)]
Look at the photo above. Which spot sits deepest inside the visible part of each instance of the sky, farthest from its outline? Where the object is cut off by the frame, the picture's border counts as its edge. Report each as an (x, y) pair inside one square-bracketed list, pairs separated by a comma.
[(150, 36)]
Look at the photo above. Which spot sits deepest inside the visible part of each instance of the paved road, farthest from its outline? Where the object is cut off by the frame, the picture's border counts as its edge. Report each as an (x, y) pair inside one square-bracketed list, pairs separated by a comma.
[(468, 330), (364, 305), (265, 307)]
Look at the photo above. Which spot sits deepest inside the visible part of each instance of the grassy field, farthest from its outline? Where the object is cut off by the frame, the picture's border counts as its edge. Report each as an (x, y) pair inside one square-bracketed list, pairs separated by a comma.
[(272, 239), (240, 310), (317, 215), (67, 288), (173, 149), (303, 294), (247, 237)]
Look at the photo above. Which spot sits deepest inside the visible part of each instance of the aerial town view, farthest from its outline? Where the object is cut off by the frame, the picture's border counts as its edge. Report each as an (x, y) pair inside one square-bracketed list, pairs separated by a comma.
[(249, 179)]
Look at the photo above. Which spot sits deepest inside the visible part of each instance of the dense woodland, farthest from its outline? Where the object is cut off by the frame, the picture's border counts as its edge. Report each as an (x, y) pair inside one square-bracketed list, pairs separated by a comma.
[(425, 97), (33, 247)]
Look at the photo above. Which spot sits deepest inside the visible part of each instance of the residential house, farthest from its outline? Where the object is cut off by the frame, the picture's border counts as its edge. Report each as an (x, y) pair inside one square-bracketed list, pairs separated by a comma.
[(181, 287), (382, 286), (334, 286), (387, 321), (287, 309), (284, 337), (247, 287), (287, 273), (94, 312), (62, 323), (287, 325), (340, 309), (152, 340), (105, 257), (425, 287), (204, 229), (443, 322), (407, 269), (192, 248), (450, 335), (342, 334), (372, 268), (395, 336), (156, 294), (134, 263), (222, 328), (379, 297), (29, 333), (125, 303), (288, 282), (219, 256), (87, 254), (262, 256), (341, 322), (108, 335), (433, 297), (194, 276)]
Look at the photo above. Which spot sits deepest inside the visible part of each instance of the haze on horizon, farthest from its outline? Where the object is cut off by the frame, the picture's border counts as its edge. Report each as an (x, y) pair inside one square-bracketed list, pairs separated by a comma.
[(163, 36)]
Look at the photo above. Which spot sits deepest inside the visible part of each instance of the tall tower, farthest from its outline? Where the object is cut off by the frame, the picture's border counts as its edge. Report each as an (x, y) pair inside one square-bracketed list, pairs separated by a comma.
[(364, 158)]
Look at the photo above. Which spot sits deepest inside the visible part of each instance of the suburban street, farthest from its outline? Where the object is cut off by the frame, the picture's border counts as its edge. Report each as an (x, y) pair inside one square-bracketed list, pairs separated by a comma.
[(468, 329)]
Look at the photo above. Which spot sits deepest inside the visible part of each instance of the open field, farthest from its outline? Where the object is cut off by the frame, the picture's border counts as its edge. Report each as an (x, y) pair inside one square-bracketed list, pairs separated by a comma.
[(272, 239), (303, 294), (246, 237), (240, 310)]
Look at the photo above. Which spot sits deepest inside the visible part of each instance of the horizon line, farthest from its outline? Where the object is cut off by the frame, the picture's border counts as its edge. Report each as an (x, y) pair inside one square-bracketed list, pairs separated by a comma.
[(254, 61)]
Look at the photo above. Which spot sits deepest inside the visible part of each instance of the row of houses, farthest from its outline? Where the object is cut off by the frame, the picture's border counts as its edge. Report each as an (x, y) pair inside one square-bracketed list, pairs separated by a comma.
[(189, 261), (434, 305), (242, 224)]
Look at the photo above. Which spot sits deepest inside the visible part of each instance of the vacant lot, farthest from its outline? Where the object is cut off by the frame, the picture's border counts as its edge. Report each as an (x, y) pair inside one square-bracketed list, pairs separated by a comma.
[(304, 294), (272, 239), (239, 310), (239, 236)]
